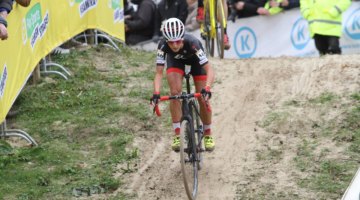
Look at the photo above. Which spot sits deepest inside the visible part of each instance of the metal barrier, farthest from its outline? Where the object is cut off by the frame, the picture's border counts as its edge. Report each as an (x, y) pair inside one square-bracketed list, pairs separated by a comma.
[(46, 67), (5, 133), (98, 34)]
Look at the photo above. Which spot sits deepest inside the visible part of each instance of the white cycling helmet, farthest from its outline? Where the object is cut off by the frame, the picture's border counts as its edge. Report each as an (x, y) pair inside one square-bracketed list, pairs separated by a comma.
[(173, 29)]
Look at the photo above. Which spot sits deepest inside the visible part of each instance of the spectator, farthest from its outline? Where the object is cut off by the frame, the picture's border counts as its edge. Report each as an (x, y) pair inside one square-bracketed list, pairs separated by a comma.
[(247, 8), (5, 8), (289, 4), (139, 26), (128, 8), (191, 24), (324, 17), (276, 6), (167, 9)]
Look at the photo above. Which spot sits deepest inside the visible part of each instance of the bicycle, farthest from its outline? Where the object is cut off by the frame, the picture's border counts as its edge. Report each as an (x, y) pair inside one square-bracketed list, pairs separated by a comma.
[(191, 137), (213, 27)]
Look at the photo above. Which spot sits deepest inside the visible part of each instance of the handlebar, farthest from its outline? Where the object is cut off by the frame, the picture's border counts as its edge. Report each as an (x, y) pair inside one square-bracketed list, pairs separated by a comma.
[(182, 96)]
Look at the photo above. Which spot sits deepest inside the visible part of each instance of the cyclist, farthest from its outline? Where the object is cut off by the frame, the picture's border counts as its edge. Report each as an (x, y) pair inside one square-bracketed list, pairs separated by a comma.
[(200, 18), (176, 50)]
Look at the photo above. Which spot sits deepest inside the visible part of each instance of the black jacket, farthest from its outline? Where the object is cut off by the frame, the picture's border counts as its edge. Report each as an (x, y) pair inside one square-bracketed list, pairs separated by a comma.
[(142, 20), (6, 4), (167, 9)]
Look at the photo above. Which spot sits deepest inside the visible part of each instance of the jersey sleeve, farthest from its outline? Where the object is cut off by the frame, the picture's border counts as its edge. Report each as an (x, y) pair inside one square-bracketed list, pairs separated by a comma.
[(160, 55), (199, 52)]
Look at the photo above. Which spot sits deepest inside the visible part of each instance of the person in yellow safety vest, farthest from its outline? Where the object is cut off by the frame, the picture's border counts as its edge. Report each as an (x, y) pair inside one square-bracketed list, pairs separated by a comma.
[(274, 6), (324, 18)]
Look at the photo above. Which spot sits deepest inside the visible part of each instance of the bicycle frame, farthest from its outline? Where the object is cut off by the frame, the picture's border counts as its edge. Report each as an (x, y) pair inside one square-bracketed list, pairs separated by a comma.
[(189, 106), (213, 15)]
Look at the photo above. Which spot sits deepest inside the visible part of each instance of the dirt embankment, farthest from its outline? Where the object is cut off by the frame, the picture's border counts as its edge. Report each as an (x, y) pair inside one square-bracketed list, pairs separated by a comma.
[(245, 90)]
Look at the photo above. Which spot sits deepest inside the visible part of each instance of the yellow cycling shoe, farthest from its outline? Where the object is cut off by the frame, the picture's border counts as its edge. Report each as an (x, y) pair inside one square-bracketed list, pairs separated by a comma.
[(209, 143), (176, 144)]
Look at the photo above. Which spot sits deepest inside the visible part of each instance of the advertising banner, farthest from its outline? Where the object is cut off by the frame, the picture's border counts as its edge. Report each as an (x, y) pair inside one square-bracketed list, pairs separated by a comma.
[(36, 30), (283, 34), (287, 34)]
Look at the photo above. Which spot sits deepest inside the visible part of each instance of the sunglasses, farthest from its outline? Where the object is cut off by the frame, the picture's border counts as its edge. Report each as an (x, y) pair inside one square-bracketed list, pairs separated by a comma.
[(175, 42)]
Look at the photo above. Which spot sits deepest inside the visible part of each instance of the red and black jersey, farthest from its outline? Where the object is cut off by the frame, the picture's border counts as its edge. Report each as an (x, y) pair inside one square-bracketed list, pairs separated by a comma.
[(192, 52)]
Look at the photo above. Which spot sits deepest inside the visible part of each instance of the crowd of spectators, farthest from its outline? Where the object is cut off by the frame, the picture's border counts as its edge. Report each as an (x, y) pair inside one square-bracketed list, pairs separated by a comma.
[(140, 26), (248, 8), (326, 39)]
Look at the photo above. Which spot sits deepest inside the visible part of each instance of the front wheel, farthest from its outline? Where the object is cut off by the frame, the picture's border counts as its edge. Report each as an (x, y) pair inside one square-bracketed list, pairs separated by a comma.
[(188, 158)]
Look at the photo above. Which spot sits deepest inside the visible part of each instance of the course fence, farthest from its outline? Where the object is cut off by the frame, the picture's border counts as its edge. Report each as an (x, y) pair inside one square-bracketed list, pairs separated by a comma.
[(36, 30)]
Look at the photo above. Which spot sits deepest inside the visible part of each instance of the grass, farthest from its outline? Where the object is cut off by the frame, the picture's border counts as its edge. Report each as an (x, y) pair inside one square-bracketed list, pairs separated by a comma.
[(79, 126), (327, 157)]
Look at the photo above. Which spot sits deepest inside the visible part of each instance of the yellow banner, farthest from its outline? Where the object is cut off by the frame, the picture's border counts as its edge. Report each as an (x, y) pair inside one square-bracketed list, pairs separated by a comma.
[(36, 30)]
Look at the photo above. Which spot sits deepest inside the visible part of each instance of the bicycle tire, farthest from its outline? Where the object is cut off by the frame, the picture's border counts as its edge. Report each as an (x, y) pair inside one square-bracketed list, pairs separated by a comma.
[(199, 132), (189, 165), (219, 11), (208, 37)]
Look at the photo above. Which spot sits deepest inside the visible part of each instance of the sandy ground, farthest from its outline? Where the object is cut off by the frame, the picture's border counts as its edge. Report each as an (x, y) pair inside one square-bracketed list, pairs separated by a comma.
[(245, 90)]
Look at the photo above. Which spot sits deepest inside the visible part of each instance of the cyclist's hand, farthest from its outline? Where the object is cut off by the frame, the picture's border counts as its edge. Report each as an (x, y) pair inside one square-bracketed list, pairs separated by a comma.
[(206, 93), (3, 32), (154, 100)]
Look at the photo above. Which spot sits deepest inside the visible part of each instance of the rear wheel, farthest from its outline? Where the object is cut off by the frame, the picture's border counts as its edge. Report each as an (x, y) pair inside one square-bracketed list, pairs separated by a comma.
[(188, 157), (220, 28)]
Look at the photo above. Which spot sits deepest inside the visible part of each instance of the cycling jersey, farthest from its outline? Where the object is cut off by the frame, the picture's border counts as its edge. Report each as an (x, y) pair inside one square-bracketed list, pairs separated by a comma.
[(191, 54)]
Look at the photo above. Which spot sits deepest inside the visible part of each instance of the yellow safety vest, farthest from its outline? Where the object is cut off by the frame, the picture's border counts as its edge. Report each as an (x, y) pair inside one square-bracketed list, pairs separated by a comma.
[(273, 10), (324, 16)]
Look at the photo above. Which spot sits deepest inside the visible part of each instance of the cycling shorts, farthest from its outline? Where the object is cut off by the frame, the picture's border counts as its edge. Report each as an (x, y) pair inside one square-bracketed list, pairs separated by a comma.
[(178, 66)]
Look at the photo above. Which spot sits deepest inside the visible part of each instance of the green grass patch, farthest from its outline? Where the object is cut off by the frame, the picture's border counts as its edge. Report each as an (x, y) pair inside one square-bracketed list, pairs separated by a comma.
[(326, 97), (329, 166), (76, 123)]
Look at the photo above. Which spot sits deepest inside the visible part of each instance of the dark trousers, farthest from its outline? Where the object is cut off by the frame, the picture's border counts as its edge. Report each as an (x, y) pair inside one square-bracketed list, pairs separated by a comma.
[(327, 44)]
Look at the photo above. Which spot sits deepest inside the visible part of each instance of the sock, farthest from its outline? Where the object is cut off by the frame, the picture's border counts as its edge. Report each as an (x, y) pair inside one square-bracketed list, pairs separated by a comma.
[(207, 129), (176, 127)]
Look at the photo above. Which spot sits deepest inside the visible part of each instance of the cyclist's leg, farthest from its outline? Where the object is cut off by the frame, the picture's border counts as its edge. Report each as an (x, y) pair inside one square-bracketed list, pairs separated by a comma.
[(205, 116), (174, 74), (227, 44), (199, 76), (174, 79), (200, 83)]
